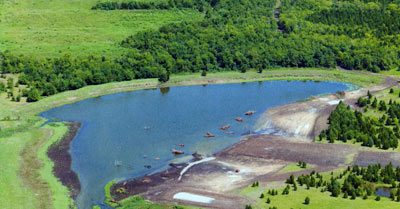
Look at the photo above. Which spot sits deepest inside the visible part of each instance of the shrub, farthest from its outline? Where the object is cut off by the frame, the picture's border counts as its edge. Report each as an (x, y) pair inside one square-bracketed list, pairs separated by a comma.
[(33, 95), (307, 201)]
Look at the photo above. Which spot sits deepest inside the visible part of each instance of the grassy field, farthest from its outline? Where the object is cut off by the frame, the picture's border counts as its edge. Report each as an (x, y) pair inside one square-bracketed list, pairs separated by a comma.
[(295, 199), (26, 180), (386, 96), (375, 114), (48, 28), (13, 192), (294, 167), (393, 72), (359, 145), (60, 193)]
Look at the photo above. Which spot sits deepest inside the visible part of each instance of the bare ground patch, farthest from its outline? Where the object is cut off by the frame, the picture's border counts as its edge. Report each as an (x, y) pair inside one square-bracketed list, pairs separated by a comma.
[(260, 157), (365, 158), (30, 167), (59, 154), (285, 149)]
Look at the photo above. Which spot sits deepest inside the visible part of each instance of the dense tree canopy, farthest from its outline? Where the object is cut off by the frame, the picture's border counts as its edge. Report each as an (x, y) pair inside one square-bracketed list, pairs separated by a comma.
[(354, 182), (346, 124)]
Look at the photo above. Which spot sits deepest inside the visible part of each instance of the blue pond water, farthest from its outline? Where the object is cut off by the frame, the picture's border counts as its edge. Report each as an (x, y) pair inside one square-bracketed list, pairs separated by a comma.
[(132, 128), (383, 192)]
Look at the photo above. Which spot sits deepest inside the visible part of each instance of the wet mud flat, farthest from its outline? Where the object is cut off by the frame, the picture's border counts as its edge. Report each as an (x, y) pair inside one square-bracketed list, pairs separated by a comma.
[(304, 120), (365, 158), (282, 148), (255, 158), (210, 179), (58, 153), (261, 157)]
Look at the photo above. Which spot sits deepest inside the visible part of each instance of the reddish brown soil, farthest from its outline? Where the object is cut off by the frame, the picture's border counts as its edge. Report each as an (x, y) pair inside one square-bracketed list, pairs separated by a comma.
[(59, 154), (142, 185), (253, 150), (365, 158), (284, 149)]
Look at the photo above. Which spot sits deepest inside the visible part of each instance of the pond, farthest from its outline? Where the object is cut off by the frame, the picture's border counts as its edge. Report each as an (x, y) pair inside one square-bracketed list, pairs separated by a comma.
[(130, 134), (383, 192)]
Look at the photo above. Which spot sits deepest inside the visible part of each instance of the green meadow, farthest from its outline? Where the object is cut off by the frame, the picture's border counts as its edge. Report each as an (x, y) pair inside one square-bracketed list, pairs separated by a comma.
[(318, 199), (44, 28)]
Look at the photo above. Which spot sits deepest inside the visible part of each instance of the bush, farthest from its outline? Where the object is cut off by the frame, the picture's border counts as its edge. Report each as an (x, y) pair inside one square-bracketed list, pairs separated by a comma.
[(163, 77), (33, 95), (307, 201)]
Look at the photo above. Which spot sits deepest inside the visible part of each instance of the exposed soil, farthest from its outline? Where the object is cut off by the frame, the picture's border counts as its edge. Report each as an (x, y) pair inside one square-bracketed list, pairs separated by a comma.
[(59, 154), (305, 120), (261, 157), (215, 179), (142, 185), (285, 149), (365, 158), (30, 169), (258, 157)]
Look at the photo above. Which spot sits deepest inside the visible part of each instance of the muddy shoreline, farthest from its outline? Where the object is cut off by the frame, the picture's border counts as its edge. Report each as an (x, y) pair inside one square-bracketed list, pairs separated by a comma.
[(142, 184), (241, 160), (261, 157), (58, 153)]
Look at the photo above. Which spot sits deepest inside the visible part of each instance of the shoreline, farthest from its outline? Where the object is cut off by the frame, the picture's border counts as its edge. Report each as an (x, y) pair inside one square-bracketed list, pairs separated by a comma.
[(33, 109), (92, 91), (278, 151), (58, 153)]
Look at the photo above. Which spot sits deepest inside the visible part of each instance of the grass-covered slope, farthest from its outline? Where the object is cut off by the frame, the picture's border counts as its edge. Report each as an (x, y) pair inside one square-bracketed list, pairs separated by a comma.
[(376, 127), (342, 188), (26, 179), (44, 28)]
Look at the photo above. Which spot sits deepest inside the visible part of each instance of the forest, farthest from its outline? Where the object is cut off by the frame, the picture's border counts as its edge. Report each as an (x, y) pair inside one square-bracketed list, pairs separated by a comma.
[(232, 36), (346, 125), (179, 4), (353, 182)]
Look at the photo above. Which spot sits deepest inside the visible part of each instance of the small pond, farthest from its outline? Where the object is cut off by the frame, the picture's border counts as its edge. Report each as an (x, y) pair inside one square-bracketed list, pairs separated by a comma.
[(383, 192)]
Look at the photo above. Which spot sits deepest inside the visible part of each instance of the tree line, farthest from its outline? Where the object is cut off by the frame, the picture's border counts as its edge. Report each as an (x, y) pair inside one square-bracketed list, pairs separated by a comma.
[(356, 18), (352, 183), (233, 36), (363, 30), (170, 4), (49, 76), (346, 124)]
